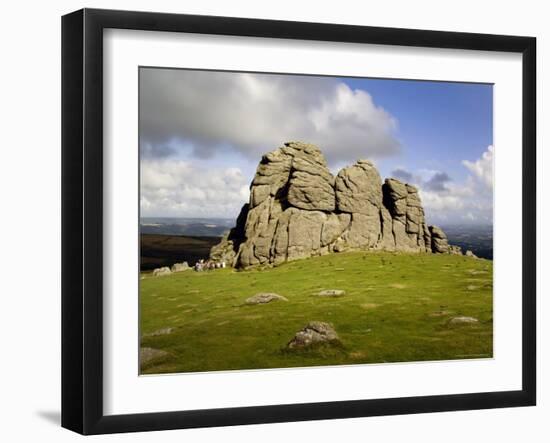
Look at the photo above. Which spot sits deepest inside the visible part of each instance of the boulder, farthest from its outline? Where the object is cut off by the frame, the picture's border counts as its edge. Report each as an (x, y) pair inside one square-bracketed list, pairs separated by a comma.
[(455, 250), (179, 267), (158, 272), (332, 293), (359, 189), (264, 297), (470, 254), (315, 332), (147, 355), (311, 185), (162, 331), (463, 320)]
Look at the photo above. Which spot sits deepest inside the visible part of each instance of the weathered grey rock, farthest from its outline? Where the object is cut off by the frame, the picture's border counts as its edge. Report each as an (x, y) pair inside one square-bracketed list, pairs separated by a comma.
[(455, 250), (297, 209), (439, 240), (264, 297), (162, 331), (147, 355), (470, 254), (395, 196), (158, 272), (314, 333), (387, 240), (332, 293), (180, 267), (304, 234), (224, 251), (463, 320), (333, 227), (364, 230), (409, 229), (311, 184), (359, 189)]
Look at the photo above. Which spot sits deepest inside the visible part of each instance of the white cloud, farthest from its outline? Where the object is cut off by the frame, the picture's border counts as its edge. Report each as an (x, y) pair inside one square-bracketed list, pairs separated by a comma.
[(482, 168), (175, 188), (254, 113), (446, 201)]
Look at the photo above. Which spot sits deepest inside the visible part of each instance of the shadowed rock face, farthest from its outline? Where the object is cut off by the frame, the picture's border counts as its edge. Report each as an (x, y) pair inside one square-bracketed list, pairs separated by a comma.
[(298, 209)]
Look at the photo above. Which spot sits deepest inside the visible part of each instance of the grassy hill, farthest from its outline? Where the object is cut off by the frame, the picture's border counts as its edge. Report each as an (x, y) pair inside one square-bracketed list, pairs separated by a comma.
[(397, 307)]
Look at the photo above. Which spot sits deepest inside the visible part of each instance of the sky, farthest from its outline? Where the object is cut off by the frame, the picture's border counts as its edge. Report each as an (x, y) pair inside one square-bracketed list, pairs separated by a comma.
[(202, 134)]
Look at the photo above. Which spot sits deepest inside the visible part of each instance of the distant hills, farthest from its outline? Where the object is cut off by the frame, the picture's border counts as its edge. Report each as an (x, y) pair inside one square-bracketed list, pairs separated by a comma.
[(196, 227), (477, 238)]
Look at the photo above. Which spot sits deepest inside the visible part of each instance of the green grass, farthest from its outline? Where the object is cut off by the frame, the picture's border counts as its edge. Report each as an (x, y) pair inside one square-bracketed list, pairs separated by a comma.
[(396, 308)]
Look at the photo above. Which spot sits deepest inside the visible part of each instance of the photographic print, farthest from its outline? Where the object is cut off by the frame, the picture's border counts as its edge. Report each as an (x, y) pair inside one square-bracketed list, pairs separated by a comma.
[(293, 220)]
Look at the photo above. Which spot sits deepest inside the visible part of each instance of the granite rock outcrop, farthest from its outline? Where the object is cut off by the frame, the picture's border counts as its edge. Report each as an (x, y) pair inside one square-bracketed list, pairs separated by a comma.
[(298, 209)]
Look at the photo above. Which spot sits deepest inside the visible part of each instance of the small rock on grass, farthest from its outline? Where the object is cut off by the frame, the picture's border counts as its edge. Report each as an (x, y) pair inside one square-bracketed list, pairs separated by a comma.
[(148, 354), (165, 270), (162, 331), (264, 297), (180, 267), (463, 320), (332, 293), (314, 332)]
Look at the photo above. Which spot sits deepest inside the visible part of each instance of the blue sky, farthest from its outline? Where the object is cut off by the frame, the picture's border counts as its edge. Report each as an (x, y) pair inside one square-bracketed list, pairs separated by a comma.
[(439, 123), (202, 134)]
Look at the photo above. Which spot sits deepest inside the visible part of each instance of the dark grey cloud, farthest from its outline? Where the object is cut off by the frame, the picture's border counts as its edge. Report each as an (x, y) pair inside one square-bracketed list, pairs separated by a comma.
[(160, 150), (208, 112), (438, 182), (402, 175), (446, 201)]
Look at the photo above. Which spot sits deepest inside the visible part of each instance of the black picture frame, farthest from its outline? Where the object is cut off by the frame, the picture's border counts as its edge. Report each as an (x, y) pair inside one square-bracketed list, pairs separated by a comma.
[(82, 218)]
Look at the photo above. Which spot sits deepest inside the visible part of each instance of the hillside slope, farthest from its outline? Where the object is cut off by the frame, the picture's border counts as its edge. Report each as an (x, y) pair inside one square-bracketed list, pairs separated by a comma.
[(397, 307)]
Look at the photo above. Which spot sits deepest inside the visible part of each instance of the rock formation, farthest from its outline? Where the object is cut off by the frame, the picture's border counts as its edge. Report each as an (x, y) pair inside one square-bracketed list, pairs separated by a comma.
[(298, 209), (315, 332)]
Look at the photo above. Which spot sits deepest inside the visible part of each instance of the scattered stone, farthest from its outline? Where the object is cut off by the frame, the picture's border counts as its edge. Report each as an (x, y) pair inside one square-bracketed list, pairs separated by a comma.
[(162, 331), (149, 354), (455, 250), (470, 254), (158, 272), (179, 267), (264, 297), (332, 293), (315, 332), (439, 314), (463, 320), (472, 287), (298, 209)]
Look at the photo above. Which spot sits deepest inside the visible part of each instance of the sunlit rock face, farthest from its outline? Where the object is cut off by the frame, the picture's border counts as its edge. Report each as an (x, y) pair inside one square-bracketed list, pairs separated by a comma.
[(298, 209)]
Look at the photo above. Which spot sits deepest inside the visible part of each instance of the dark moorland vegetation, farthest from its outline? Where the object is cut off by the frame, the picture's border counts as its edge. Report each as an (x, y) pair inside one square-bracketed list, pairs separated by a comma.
[(165, 250)]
